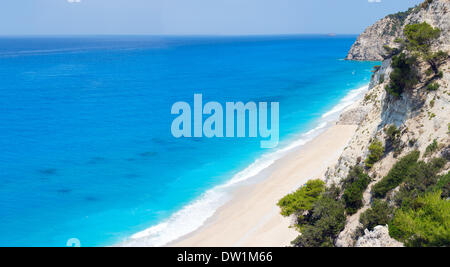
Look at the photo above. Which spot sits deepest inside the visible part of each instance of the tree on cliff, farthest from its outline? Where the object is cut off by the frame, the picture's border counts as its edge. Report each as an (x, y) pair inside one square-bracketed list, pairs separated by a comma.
[(418, 42), (420, 37)]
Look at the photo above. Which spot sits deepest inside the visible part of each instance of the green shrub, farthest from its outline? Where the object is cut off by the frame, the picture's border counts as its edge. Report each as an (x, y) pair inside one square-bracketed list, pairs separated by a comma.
[(423, 175), (327, 221), (393, 141), (421, 178), (433, 87), (420, 36), (427, 224), (379, 214), (435, 60), (431, 148), (403, 75), (396, 175), (376, 151), (443, 185), (303, 199), (390, 52), (392, 132), (355, 185)]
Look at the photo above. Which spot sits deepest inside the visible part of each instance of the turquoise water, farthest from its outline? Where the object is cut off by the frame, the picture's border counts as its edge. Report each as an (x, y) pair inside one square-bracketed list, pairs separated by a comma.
[(85, 145)]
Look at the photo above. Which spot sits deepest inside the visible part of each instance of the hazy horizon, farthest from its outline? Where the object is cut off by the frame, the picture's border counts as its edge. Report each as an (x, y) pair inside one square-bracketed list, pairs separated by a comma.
[(193, 17)]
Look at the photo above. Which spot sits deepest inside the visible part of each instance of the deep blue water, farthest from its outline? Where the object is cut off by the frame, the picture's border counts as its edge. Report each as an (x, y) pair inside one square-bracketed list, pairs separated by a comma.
[(85, 144)]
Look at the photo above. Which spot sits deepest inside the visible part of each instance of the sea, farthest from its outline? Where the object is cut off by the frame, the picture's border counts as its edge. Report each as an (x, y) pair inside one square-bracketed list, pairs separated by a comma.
[(86, 149)]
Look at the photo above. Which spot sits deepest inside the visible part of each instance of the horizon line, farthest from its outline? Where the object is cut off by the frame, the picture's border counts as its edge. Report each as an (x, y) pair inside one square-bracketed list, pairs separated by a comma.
[(175, 35)]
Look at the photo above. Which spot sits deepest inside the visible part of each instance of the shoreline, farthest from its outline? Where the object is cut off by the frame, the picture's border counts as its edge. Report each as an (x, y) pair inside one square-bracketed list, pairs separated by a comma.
[(204, 212), (251, 218)]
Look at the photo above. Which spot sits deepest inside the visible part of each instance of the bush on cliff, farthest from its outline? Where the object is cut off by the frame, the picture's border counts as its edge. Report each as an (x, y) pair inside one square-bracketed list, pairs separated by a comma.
[(431, 148), (425, 224), (420, 36), (355, 184), (443, 185), (393, 141), (419, 40), (379, 214), (303, 199), (420, 179), (396, 175), (403, 76), (376, 151), (435, 60), (326, 222)]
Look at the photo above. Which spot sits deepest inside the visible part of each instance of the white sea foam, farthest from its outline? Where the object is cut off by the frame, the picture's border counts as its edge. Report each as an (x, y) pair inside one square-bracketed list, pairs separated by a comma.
[(346, 101), (195, 214)]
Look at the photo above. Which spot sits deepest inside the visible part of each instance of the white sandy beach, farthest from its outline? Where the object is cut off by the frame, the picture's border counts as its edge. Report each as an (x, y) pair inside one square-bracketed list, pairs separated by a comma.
[(251, 218)]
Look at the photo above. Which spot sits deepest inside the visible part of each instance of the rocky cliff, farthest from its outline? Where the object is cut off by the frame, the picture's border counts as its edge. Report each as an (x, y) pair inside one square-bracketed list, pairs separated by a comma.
[(370, 44), (421, 116)]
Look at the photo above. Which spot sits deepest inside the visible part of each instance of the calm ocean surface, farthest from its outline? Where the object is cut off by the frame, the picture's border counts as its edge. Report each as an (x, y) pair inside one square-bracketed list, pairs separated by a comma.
[(85, 144)]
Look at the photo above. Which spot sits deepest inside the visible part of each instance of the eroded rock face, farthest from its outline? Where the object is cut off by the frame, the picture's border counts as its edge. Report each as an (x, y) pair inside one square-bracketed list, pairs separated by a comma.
[(421, 116), (369, 45), (437, 14), (353, 116), (379, 237)]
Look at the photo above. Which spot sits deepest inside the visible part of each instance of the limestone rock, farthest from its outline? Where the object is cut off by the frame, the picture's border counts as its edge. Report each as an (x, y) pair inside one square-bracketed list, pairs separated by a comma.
[(369, 45), (379, 237)]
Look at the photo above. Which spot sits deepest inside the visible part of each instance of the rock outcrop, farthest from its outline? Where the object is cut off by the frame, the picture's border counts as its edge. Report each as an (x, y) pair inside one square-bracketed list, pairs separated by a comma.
[(379, 237), (421, 116), (370, 44)]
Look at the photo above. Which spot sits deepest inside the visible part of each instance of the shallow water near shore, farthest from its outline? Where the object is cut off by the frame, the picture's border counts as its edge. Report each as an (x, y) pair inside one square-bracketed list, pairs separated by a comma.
[(86, 148)]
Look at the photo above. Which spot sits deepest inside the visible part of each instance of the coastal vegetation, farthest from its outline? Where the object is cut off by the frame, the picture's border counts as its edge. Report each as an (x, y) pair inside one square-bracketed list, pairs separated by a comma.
[(321, 218), (404, 74), (395, 175), (419, 37), (426, 222), (420, 178), (417, 215), (431, 148), (376, 151), (393, 141), (354, 186), (380, 213), (303, 199), (412, 196), (325, 222), (433, 87), (414, 48), (421, 212)]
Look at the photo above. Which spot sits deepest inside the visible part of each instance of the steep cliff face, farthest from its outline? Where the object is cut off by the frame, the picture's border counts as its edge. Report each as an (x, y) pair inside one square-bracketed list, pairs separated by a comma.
[(437, 14), (370, 44), (421, 116)]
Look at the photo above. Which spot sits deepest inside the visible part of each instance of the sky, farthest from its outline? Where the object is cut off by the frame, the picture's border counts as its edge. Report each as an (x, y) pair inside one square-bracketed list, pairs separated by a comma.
[(193, 17)]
